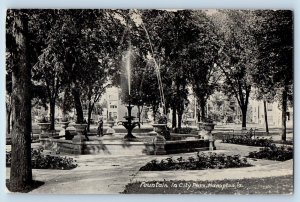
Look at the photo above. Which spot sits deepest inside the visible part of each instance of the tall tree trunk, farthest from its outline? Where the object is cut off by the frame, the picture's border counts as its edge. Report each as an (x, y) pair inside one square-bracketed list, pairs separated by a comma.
[(78, 106), (90, 110), (174, 117), (139, 113), (244, 105), (198, 115), (266, 117), (21, 170), (244, 117), (64, 105), (8, 116), (52, 114), (180, 109), (179, 119), (154, 110), (202, 105), (284, 109)]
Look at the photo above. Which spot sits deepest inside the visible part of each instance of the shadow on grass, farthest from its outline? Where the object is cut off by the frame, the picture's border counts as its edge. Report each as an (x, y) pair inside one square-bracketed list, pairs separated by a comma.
[(28, 188)]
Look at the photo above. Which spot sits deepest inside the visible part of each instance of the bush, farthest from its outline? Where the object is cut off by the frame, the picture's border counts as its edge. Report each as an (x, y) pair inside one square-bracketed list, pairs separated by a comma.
[(273, 152), (200, 162), (258, 142), (41, 161)]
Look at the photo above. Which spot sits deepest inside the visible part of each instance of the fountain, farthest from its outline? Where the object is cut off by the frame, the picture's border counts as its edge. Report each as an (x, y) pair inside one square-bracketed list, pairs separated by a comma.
[(129, 124)]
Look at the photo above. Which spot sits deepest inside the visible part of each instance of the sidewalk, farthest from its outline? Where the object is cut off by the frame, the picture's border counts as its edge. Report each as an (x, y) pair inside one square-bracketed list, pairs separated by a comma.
[(109, 174)]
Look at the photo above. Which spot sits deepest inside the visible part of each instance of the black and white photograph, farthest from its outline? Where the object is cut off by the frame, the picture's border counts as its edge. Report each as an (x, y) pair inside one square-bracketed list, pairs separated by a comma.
[(150, 101)]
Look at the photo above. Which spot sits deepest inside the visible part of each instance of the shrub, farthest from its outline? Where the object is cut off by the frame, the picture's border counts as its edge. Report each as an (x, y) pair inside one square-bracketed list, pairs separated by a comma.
[(258, 142), (200, 162), (273, 152), (41, 161)]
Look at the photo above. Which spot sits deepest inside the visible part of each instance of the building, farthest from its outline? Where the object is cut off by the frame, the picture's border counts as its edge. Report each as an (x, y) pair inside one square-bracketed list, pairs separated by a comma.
[(273, 114), (115, 109)]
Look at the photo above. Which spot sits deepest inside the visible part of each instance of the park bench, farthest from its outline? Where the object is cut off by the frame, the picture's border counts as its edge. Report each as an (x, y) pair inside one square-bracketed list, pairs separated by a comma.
[(241, 133)]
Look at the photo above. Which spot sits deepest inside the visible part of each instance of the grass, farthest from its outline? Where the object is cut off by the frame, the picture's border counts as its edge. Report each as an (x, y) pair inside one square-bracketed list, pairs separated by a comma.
[(268, 185)]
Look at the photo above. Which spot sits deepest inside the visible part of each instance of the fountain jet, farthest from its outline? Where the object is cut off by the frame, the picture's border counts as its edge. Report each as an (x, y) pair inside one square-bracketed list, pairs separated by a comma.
[(129, 124)]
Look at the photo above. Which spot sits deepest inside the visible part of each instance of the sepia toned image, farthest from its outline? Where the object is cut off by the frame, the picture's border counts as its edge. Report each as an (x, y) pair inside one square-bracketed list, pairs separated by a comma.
[(149, 101)]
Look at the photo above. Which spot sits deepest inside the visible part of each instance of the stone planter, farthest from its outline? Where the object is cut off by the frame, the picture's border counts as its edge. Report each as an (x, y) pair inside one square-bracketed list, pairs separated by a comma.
[(80, 130), (64, 124), (162, 129), (63, 131), (79, 138), (159, 127), (159, 140), (45, 130), (205, 133)]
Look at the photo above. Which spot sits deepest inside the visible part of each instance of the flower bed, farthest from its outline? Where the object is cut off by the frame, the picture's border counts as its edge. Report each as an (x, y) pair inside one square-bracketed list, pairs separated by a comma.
[(258, 142), (200, 162), (40, 161), (273, 152)]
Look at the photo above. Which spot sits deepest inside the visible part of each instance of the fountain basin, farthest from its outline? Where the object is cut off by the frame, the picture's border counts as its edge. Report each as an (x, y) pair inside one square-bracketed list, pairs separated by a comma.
[(123, 147), (110, 123)]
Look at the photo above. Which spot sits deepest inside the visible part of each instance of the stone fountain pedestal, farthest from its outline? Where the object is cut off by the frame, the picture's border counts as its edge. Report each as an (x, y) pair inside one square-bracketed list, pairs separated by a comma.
[(205, 133), (159, 140), (45, 135), (45, 130), (79, 138), (63, 125)]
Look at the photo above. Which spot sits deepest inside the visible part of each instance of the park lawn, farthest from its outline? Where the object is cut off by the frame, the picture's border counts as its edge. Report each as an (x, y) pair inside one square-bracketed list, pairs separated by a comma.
[(268, 185)]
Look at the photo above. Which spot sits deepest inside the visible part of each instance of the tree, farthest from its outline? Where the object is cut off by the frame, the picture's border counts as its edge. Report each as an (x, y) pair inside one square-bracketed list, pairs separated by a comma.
[(95, 86), (87, 53), (21, 173), (49, 72), (237, 49), (219, 108), (274, 34), (204, 74), (8, 101), (171, 43), (263, 94), (46, 70)]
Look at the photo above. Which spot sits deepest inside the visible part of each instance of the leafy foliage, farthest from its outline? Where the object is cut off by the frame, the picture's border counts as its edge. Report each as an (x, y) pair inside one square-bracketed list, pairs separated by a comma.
[(41, 161), (259, 142), (200, 162), (274, 73), (273, 152), (237, 50), (204, 74)]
